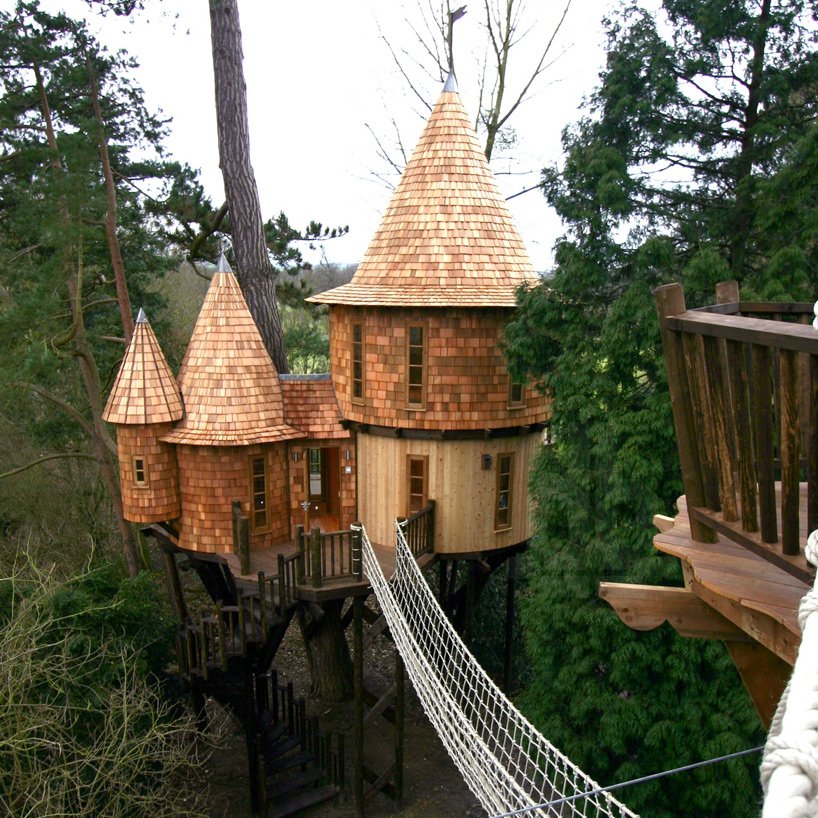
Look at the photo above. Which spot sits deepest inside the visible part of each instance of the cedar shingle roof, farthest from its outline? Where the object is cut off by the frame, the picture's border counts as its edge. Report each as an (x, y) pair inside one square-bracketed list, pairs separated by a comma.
[(229, 384), (145, 390), (310, 405), (447, 237)]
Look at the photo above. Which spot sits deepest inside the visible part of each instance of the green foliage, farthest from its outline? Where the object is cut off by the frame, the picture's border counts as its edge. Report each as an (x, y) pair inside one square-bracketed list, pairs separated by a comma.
[(696, 164), (83, 730)]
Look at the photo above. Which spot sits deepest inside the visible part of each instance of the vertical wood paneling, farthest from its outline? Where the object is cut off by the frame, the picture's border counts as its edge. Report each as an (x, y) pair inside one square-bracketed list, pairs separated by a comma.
[(463, 491)]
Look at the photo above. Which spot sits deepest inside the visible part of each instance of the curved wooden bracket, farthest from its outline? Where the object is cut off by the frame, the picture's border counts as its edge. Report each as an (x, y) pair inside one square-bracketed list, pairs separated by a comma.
[(645, 607)]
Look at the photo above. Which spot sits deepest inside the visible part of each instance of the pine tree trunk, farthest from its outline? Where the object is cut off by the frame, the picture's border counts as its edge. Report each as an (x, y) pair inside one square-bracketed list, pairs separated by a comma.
[(253, 267), (327, 653)]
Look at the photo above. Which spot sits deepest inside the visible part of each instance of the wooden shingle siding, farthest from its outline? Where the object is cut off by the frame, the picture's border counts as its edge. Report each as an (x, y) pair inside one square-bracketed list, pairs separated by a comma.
[(467, 384), (145, 390), (447, 237), (158, 499), (212, 477), (230, 387)]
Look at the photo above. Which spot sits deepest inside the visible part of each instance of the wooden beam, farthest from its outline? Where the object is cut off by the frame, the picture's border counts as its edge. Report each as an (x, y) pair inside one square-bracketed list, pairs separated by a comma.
[(764, 675), (663, 523), (645, 607)]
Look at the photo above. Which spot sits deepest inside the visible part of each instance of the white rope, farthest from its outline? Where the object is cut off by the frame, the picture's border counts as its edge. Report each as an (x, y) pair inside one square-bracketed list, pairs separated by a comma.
[(506, 763), (789, 768)]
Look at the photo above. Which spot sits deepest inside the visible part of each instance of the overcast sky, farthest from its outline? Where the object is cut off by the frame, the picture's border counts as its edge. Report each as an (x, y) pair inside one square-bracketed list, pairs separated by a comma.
[(319, 72)]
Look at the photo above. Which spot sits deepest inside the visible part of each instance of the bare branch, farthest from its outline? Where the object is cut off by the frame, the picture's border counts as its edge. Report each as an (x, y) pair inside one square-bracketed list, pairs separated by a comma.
[(76, 455)]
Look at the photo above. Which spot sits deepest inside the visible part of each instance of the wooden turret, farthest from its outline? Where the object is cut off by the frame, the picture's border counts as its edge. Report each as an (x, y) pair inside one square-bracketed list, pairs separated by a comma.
[(232, 443), (415, 350), (143, 405)]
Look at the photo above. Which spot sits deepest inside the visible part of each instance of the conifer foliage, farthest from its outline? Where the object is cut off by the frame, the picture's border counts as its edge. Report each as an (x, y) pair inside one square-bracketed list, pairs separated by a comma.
[(694, 163)]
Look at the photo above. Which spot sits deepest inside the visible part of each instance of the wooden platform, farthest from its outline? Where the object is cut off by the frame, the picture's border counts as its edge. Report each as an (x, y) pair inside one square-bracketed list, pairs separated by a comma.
[(266, 560), (752, 593)]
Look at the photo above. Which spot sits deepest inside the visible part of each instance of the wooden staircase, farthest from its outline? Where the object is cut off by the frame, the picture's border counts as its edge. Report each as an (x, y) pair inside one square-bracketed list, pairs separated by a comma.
[(226, 654)]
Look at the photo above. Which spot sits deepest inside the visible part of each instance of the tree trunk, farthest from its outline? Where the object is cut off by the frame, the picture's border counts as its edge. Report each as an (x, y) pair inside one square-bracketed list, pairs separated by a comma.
[(103, 445), (745, 204), (327, 653), (253, 267)]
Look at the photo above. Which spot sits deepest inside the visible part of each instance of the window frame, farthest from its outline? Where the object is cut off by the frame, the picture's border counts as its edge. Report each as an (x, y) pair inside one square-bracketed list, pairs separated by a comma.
[(423, 459), (361, 348), (499, 491), (514, 402), (144, 482), (252, 460), (424, 346)]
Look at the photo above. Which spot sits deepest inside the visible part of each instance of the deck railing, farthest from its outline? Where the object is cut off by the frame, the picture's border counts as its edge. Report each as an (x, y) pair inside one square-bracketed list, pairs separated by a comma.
[(745, 404), (419, 529), (324, 555)]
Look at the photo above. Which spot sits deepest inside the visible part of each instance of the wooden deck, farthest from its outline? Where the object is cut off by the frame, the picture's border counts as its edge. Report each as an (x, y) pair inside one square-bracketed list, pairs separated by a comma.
[(266, 560), (748, 590)]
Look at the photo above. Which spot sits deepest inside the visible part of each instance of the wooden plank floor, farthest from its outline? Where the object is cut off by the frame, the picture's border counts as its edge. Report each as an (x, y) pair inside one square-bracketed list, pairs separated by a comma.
[(755, 594)]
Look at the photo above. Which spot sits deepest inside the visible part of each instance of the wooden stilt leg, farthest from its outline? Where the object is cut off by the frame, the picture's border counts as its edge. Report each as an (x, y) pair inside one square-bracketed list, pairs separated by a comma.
[(399, 720), (358, 671), (507, 648)]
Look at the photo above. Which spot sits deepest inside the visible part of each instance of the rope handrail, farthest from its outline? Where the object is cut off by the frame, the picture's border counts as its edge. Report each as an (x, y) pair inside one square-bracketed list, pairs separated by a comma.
[(789, 768), (505, 761)]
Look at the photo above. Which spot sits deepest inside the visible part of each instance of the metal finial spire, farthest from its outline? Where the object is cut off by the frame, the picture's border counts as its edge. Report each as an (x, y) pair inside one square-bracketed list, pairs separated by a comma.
[(451, 83), (454, 16), (141, 318), (222, 266)]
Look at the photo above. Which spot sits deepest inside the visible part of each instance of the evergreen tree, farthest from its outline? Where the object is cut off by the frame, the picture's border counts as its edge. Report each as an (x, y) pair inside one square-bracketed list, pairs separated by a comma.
[(684, 169)]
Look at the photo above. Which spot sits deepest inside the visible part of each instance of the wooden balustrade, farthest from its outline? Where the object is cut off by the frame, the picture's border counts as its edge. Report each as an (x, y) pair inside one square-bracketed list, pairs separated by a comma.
[(324, 555), (744, 391), (419, 530)]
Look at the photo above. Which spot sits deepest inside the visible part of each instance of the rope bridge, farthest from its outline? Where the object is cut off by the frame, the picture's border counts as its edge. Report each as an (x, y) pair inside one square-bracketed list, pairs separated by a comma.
[(506, 763)]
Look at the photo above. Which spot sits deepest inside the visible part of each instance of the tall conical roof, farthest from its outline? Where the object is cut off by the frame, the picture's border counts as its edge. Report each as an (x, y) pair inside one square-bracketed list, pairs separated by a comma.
[(447, 237), (145, 390), (229, 384)]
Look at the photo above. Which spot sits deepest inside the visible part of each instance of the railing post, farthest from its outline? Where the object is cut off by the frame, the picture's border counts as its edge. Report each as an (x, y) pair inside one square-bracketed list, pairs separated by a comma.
[(241, 537), (430, 528), (790, 456), (301, 571), (316, 557), (670, 301), (282, 586), (357, 556)]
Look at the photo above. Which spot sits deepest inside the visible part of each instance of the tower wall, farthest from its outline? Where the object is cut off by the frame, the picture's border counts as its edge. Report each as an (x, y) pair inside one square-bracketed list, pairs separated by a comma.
[(212, 477), (465, 493), (148, 473), (467, 384)]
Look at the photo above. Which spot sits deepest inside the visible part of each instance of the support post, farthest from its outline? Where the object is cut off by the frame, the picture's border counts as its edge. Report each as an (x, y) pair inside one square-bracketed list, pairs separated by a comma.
[(316, 558), (400, 684), (670, 301), (507, 652), (175, 587), (358, 675), (357, 556)]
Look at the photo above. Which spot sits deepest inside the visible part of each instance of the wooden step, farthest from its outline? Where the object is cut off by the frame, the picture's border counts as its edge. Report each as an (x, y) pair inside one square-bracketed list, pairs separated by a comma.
[(281, 746), (278, 765), (279, 790), (302, 801)]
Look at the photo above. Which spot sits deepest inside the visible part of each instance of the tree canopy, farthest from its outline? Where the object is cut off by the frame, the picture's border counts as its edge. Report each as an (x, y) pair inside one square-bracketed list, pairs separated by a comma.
[(693, 163)]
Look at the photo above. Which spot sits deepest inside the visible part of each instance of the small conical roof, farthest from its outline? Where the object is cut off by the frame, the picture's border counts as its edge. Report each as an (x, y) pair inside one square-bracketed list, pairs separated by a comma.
[(145, 390), (229, 384), (447, 237)]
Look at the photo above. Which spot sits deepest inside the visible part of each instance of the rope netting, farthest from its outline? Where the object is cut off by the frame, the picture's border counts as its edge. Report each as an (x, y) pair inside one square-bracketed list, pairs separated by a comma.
[(505, 761)]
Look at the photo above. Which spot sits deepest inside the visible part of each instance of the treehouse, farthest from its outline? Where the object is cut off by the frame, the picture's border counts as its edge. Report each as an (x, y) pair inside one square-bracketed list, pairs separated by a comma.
[(254, 478), (415, 351), (743, 380)]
